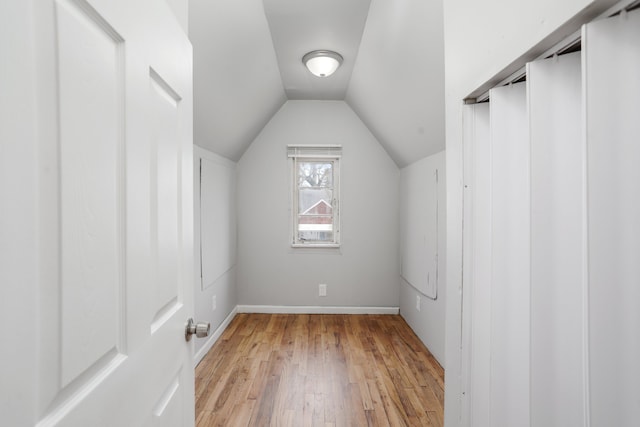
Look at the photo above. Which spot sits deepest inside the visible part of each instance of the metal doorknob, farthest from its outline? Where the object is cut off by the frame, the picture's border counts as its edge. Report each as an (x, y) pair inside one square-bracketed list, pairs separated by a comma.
[(199, 329)]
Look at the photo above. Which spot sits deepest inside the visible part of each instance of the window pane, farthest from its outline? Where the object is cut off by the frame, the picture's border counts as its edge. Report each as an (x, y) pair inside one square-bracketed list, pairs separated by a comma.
[(315, 214), (316, 200), (315, 196), (312, 200), (315, 174), (315, 235)]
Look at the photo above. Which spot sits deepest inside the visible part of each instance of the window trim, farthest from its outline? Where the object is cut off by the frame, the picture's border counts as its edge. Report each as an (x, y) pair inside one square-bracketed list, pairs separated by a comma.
[(310, 153)]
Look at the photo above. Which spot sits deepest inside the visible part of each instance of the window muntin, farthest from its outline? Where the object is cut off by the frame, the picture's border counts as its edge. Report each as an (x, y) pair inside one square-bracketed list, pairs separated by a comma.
[(315, 195)]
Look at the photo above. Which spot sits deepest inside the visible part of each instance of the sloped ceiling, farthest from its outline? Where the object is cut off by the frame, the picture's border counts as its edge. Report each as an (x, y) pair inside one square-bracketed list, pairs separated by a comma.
[(236, 81), (397, 85), (298, 27), (247, 63)]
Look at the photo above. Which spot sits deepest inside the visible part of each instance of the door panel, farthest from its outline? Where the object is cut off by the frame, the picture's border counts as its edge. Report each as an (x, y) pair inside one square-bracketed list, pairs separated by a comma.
[(557, 209), (168, 410), (165, 179), (477, 266), (90, 89), (114, 208), (611, 64), (510, 251)]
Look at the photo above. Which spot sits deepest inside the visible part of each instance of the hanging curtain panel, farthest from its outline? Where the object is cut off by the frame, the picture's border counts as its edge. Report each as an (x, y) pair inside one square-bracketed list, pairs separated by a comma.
[(557, 209), (611, 64), (477, 265), (510, 256)]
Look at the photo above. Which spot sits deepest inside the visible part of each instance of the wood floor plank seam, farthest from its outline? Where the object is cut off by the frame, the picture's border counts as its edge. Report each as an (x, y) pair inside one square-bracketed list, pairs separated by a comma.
[(319, 370)]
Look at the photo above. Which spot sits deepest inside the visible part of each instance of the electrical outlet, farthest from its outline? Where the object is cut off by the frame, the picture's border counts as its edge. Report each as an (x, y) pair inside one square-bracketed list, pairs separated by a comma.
[(418, 302), (322, 290), (213, 303)]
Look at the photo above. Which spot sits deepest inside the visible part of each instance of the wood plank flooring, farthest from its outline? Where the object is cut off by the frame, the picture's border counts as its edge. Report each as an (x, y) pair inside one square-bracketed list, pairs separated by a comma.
[(319, 370)]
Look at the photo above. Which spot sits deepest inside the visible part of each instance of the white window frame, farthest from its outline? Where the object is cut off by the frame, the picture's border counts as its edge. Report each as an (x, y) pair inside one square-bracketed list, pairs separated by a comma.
[(310, 153)]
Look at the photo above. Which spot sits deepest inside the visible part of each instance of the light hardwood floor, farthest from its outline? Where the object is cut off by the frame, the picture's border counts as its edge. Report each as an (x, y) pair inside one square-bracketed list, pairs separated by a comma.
[(319, 370)]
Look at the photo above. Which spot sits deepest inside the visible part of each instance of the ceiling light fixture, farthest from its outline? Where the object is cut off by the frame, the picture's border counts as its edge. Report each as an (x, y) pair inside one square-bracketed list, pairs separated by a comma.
[(322, 63)]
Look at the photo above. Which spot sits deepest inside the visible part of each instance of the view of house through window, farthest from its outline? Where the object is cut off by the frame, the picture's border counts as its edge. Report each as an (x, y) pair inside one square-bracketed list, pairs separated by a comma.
[(315, 195)]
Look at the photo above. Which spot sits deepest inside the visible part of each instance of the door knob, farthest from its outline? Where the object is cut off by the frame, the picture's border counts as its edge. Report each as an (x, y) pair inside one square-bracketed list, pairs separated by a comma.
[(199, 329)]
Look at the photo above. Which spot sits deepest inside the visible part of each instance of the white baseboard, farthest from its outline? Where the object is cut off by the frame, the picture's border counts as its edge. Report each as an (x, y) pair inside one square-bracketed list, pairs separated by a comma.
[(304, 309), (200, 354)]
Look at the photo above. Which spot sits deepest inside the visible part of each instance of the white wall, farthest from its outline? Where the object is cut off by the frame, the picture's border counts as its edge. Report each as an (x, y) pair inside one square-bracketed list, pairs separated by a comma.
[(403, 109), (222, 281), (428, 322), (364, 271), (483, 38), (21, 169), (237, 85)]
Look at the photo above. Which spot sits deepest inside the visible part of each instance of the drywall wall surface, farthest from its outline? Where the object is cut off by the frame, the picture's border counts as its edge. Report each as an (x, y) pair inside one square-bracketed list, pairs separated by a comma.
[(217, 219), (482, 39), (429, 321), (364, 271), (237, 85), (401, 99), (221, 219)]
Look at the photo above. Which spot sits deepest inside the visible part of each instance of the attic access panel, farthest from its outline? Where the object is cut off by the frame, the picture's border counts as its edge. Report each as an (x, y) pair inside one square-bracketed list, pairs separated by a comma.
[(420, 233)]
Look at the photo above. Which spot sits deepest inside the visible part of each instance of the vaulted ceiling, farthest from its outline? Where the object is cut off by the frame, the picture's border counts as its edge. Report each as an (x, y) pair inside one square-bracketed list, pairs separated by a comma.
[(247, 58)]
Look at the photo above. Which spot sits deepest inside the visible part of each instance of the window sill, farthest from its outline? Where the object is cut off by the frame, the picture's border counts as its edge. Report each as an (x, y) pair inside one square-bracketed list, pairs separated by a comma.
[(316, 245)]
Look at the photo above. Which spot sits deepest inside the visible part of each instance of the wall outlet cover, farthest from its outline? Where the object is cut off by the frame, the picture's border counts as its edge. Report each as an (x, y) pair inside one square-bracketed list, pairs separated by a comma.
[(322, 290), (418, 302)]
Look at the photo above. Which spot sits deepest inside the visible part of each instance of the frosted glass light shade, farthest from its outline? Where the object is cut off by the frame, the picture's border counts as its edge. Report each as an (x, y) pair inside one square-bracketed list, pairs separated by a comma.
[(322, 63)]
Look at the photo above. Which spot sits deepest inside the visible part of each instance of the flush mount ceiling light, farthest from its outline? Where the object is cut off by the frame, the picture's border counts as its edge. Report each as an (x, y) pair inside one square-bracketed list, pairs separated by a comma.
[(322, 63)]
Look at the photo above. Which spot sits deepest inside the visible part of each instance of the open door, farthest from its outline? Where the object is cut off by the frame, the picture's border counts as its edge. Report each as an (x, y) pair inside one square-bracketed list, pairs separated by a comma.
[(109, 217)]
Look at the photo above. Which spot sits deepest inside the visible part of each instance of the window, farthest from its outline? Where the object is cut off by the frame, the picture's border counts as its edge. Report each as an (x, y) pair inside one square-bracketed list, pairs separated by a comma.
[(316, 195)]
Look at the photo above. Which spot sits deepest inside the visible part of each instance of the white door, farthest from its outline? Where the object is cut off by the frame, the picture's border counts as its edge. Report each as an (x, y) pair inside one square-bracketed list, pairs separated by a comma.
[(100, 231)]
